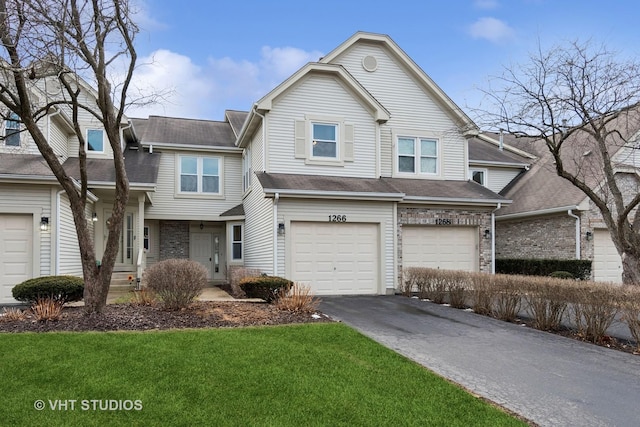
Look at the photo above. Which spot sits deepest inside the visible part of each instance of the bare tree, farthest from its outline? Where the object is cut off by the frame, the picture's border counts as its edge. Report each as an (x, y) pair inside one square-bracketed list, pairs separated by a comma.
[(582, 102), (67, 43)]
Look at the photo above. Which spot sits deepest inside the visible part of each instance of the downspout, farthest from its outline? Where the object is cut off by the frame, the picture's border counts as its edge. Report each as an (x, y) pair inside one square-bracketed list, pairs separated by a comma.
[(570, 213), (275, 234), (493, 238)]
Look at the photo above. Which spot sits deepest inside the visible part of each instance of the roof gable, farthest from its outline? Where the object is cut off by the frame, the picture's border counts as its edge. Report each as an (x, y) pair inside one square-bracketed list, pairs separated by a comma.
[(439, 96)]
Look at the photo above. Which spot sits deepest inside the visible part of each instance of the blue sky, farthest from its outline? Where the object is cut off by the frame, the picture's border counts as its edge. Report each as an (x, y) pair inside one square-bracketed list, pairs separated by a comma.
[(216, 55)]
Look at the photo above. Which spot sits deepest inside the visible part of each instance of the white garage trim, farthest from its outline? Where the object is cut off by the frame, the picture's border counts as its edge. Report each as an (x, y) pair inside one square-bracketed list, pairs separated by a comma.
[(445, 247), (607, 264)]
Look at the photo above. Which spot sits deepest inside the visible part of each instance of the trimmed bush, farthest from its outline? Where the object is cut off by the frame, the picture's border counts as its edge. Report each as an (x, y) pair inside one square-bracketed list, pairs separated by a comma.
[(579, 268), (546, 302), (177, 282), (265, 287), (59, 288), (561, 275), (594, 308)]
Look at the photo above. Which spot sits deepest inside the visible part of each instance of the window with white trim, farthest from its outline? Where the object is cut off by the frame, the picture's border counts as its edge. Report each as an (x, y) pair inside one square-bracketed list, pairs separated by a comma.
[(145, 241), (417, 155), (12, 130), (199, 175), (95, 140), (324, 140), (479, 176), (236, 242)]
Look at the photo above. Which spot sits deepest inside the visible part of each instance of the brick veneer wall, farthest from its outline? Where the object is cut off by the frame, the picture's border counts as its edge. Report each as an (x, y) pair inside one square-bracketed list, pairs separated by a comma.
[(458, 217), (549, 236), (174, 239)]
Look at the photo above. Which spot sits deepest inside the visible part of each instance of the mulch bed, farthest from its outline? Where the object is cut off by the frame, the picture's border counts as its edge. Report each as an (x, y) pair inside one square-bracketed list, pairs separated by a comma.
[(130, 317)]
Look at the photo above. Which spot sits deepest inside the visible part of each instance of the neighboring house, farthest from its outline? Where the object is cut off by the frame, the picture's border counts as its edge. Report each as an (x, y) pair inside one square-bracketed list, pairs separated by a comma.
[(551, 218), (354, 168)]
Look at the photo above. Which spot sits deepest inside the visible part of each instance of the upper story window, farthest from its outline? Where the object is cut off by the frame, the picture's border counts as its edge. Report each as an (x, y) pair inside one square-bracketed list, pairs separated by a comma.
[(95, 140), (417, 155), (199, 175), (324, 140), (12, 130), (479, 176)]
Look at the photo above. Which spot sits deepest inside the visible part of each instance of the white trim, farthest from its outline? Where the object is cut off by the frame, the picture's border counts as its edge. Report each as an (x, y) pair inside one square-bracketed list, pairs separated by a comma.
[(86, 142), (199, 193), (562, 209), (191, 147), (485, 177), (334, 194)]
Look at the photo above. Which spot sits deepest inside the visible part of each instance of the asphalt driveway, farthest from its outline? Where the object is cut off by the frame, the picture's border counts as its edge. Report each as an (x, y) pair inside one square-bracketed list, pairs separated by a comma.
[(551, 380)]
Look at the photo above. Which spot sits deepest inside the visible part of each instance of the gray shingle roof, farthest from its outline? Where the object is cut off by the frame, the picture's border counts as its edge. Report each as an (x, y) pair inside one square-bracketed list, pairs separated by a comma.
[(177, 131), (483, 151), (142, 168), (383, 187), (234, 211), (236, 120), (24, 165)]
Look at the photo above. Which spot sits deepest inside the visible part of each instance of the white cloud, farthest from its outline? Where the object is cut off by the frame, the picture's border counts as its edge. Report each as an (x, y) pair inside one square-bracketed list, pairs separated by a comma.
[(491, 29), (222, 83)]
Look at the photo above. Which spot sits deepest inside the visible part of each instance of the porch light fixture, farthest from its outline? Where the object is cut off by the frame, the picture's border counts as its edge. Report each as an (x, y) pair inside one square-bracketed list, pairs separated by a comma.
[(487, 233), (94, 218), (44, 223), (201, 225), (281, 229), (589, 235)]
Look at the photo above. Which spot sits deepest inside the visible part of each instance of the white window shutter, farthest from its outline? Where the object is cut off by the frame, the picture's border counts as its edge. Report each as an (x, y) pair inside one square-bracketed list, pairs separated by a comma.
[(300, 139), (348, 143)]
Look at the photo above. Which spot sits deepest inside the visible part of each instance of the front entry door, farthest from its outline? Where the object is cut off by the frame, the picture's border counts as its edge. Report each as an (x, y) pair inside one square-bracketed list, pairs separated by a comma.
[(126, 254), (202, 250)]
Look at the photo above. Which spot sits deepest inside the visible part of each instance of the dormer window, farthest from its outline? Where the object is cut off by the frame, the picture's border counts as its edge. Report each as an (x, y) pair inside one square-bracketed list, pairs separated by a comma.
[(95, 140)]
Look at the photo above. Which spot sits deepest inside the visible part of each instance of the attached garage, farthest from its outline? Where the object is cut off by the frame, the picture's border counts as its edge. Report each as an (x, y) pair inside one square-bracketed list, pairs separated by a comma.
[(444, 247), (16, 244), (336, 258), (607, 264)]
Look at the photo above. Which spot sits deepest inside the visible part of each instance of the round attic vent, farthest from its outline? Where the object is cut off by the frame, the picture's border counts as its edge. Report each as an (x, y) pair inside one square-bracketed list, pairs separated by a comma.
[(370, 63)]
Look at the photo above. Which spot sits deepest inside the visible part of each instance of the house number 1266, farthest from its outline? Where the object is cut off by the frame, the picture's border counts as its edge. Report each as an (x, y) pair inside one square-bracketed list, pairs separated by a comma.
[(337, 218)]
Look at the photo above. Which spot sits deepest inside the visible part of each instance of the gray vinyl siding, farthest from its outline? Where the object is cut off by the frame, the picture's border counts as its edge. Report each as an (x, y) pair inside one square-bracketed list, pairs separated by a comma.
[(364, 212), (386, 152), (498, 178), (320, 96), (34, 200), (69, 251), (167, 206), (153, 254), (58, 140), (410, 106)]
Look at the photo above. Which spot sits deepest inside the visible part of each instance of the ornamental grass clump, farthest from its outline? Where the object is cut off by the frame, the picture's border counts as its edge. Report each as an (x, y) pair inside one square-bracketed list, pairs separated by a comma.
[(12, 314), (177, 282), (298, 298), (47, 309)]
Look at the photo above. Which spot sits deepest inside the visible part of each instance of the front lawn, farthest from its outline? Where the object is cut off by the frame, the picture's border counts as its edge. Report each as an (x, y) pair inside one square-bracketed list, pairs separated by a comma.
[(315, 374)]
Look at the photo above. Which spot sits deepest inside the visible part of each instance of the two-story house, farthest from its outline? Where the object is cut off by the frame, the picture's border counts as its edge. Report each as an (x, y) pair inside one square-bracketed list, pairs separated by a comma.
[(354, 168)]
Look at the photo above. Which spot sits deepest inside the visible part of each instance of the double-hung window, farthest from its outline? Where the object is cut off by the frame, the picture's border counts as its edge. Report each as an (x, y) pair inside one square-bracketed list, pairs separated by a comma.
[(324, 140), (95, 140), (417, 155), (246, 169), (236, 242), (12, 131), (199, 175)]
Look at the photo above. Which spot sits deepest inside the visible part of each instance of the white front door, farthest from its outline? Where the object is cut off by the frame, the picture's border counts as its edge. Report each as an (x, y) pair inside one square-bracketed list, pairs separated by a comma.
[(202, 250)]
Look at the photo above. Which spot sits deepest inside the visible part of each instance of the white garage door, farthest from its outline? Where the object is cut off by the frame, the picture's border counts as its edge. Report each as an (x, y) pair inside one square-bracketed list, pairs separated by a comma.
[(336, 258), (607, 264), (16, 241), (448, 248)]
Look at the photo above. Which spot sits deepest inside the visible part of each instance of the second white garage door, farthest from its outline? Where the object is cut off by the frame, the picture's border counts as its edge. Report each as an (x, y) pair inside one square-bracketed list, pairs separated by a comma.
[(449, 248), (336, 258), (607, 264), (16, 242)]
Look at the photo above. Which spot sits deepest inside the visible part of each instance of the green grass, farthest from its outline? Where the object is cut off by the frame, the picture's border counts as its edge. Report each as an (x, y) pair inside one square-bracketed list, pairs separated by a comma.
[(311, 375)]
